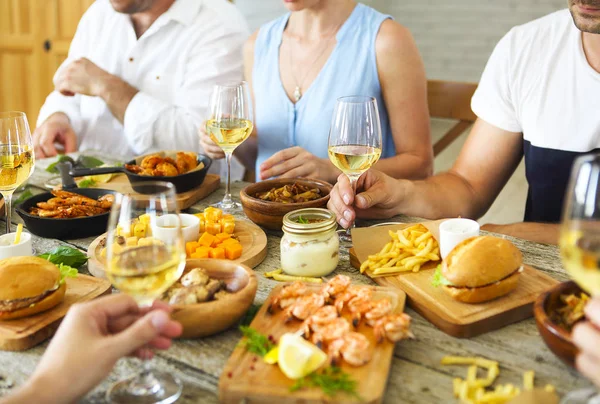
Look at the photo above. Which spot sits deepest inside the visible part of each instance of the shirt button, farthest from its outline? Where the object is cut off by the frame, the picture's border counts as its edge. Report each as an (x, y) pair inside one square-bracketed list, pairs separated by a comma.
[(131, 59)]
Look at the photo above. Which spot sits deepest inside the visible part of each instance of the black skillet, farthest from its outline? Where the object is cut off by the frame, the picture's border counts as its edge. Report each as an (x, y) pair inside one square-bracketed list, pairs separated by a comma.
[(182, 183), (69, 228)]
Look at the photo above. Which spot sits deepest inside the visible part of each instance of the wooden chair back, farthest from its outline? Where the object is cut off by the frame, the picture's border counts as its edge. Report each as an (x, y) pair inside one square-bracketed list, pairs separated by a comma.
[(451, 100)]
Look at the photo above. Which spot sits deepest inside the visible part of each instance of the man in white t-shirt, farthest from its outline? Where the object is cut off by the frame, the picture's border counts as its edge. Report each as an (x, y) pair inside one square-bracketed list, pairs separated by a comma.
[(139, 76)]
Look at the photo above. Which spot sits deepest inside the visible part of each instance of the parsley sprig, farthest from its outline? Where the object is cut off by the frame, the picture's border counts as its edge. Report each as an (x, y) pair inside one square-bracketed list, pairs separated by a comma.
[(331, 380), (256, 342)]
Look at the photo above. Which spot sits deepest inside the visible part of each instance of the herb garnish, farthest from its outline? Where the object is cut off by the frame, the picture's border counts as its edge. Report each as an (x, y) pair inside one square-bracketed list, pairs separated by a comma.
[(87, 183), (24, 195), (255, 342), (331, 380), (65, 255), (302, 220)]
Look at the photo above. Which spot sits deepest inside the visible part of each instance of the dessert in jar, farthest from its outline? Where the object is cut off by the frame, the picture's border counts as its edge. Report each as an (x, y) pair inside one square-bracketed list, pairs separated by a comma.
[(310, 245)]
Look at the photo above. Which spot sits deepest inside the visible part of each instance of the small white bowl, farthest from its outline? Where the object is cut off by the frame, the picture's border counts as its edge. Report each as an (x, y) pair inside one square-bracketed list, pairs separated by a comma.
[(453, 231), (8, 249), (164, 227)]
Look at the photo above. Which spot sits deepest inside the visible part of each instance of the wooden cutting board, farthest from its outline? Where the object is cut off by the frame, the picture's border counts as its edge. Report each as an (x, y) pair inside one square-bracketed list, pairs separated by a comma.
[(23, 333), (211, 182), (245, 379), (252, 238), (464, 320)]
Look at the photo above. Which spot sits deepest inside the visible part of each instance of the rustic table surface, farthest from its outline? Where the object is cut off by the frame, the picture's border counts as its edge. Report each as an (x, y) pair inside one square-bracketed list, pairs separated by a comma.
[(416, 375)]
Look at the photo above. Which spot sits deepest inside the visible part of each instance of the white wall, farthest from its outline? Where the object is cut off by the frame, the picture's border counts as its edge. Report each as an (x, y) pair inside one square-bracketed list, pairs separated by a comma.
[(455, 37)]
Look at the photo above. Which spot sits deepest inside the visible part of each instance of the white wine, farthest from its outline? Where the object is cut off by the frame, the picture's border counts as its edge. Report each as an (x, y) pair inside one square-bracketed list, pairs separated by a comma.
[(145, 272), (353, 160), (581, 256), (229, 133), (16, 165)]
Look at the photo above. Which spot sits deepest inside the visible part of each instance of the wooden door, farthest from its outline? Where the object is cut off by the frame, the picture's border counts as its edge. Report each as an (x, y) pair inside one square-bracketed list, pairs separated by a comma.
[(34, 39)]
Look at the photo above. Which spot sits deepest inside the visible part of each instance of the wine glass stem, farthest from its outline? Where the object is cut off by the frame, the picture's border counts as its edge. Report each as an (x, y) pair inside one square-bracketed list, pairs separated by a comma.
[(353, 180), (227, 198), (7, 208)]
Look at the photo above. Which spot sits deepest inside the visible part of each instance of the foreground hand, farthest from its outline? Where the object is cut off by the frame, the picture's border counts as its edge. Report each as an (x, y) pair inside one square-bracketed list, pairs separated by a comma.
[(210, 148), (55, 129), (81, 77), (379, 198), (297, 162), (586, 337), (94, 335)]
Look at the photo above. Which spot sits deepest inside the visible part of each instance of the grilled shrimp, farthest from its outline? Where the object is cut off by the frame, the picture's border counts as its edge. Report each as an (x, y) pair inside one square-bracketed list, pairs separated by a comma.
[(350, 293), (353, 347), (334, 330), (151, 161), (336, 286), (165, 170), (317, 321), (394, 327), (288, 295), (185, 162), (379, 309), (305, 306)]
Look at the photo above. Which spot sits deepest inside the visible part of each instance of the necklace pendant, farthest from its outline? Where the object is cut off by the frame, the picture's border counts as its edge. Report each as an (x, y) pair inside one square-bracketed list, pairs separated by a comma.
[(297, 94)]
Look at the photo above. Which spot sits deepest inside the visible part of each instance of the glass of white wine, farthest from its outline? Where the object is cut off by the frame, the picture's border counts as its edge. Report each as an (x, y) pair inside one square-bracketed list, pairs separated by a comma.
[(16, 156), (580, 239), (354, 140), (229, 125), (145, 271)]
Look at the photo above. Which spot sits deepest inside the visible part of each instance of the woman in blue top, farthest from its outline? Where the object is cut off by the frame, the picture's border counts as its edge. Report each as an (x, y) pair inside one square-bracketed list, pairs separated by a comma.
[(299, 64)]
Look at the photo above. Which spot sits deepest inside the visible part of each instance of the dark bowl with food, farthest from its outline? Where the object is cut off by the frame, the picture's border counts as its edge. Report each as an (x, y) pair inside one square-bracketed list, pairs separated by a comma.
[(269, 213), (553, 321), (65, 227), (137, 177)]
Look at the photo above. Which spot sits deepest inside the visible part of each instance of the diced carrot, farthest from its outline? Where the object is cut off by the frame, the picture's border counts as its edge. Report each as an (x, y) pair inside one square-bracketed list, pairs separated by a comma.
[(223, 236), (190, 247), (216, 253), (233, 251), (206, 239)]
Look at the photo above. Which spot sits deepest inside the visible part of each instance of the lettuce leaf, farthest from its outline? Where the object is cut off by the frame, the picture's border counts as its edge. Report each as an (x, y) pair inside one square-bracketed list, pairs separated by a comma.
[(438, 279), (66, 272), (65, 255)]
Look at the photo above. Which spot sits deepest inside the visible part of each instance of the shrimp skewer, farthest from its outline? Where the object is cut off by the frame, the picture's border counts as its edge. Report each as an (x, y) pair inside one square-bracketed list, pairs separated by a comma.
[(331, 332), (319, 319), (394, 327), (353, 347), (336, 286), (305, 306), (288, 295)]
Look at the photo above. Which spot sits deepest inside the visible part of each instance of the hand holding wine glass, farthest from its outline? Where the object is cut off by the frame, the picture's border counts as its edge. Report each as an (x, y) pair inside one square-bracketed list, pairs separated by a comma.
[(229, 125), (145, 272), (355, 139), (16, 156)]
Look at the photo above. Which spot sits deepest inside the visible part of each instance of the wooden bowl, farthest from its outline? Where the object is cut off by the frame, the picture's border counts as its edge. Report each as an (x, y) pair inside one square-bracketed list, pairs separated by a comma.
[(270, 214), (556, 338), (203, 319)]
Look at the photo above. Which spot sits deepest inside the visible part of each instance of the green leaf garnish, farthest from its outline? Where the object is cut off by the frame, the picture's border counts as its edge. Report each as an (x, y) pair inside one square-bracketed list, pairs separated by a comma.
[(302, 220), (65, 255), (439, 279), (256, 342), (89, 161), (66, 272), (24, 196), (62, 158), (87, 183), (250, 314), (331, 380)]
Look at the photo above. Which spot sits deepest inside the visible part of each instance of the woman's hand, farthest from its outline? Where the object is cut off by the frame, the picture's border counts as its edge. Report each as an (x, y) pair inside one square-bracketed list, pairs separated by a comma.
[(92, 337), (379, 198), (210, 148), (297, 162), (586, 337)]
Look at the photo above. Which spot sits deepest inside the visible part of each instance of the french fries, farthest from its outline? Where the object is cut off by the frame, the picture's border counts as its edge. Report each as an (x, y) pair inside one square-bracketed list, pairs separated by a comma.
[(409, 250), (472, 389)]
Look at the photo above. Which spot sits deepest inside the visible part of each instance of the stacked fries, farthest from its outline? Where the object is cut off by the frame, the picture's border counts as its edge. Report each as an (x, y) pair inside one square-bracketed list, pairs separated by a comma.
[(472, 390), (409, 250)]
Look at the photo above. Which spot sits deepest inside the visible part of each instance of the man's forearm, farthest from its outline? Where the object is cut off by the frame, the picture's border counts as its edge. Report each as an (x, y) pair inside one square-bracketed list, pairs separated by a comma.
[(406, 166), (117, 94)]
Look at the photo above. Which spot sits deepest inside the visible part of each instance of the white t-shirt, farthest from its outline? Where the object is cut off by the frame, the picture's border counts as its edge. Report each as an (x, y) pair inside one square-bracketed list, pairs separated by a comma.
[(538, 82)]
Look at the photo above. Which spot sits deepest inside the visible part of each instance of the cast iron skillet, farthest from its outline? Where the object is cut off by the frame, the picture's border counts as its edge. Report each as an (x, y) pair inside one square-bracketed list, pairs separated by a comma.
[(77, 227), (182, 183)]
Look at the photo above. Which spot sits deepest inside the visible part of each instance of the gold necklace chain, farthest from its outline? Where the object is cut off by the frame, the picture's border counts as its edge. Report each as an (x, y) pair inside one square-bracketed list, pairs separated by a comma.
[(298, 90)]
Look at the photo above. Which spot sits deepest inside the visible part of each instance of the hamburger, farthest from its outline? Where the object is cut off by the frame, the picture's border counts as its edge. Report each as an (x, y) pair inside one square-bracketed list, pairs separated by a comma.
[(480, 269), (29, 285)]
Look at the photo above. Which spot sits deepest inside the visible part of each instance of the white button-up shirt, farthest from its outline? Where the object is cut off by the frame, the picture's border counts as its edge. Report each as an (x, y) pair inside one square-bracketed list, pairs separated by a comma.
[(174, 65)]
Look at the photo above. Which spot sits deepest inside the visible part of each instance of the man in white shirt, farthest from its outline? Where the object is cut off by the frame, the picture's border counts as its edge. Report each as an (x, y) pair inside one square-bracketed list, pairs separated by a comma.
[(139, 76)]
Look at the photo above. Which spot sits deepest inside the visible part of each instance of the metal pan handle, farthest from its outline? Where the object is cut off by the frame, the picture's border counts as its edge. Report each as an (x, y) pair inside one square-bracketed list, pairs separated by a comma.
[(82, 172)]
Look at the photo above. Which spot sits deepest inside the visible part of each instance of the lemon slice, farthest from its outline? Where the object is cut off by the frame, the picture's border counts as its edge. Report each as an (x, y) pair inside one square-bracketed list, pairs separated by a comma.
[(298, 357), (101, 178), (271, 356)]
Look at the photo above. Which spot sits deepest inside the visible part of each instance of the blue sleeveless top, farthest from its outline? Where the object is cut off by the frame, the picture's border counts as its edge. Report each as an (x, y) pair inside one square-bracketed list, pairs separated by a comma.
[(350, 70)]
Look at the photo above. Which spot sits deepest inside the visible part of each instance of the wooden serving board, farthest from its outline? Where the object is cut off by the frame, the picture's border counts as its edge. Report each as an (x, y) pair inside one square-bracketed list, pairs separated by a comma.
[(252, 238), (23, 333), (211, 182), (245, 379), (464, 320)]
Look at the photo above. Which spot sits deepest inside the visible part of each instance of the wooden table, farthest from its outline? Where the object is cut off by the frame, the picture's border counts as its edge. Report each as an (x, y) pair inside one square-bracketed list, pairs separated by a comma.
[(416, 375)]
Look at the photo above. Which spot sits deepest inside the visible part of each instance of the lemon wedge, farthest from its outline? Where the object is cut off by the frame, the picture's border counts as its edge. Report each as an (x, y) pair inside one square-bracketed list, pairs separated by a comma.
[(271, 356), (298, 357), (101, 178)]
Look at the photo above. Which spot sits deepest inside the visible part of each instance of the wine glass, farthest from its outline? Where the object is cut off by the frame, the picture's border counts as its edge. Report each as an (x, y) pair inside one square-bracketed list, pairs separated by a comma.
[(354, 140), (229, 125), (580, 239), (16, 156), (145, 272)]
